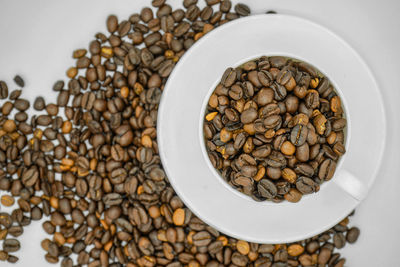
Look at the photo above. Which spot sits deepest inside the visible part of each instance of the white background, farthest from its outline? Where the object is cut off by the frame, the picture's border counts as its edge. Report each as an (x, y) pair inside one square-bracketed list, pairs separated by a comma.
[(37, 39)]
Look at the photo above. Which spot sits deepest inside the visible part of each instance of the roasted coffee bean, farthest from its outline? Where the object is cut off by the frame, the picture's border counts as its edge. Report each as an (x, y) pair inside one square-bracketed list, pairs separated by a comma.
[(298, 135), (15, 231), (3, 90), (19, 81), (324, 255), (339, 240), (352, 235), (15, 94), (239, 259), (248, 116), (11, 245), (7, 200), (21, 104), (306, 185), (327, 169), (30, 176), (266, 188)]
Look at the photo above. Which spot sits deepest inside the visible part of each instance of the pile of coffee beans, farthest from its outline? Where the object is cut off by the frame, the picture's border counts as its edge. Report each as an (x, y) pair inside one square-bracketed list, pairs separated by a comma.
[(90, 165), (274, 128)]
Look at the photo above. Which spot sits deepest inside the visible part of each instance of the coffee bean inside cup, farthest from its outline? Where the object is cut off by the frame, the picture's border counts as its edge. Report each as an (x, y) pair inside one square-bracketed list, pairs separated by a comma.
[(274, 128)]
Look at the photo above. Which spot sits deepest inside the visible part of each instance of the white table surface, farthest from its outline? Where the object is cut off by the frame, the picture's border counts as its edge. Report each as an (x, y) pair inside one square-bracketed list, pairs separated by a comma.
[(37, 39)]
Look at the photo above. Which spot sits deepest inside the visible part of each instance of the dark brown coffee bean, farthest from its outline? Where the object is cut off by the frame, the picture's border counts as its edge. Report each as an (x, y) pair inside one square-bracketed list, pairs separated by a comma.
[(324, 256), (15, 231), (267, 189), (339, 240), (57, 219), (113, 194), (229, 77), (303, 153), (306, 185), (12, 259), (298, 135), (181, 29), (44, 120), (312, 99), (30, 176), (225, 6), (304, 169), (272, 122), (15, 94), (19, 81), (242, 9), (112, 23), (352, 235), (3, 90), (21, 104), (265, 78), (202, 238), (239, 259), (62, 98), (265, 96), (11, 245), (248, 116)]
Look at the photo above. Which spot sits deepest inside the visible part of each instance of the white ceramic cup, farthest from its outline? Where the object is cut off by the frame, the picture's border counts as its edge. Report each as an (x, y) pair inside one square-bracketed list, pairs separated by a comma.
[(181, 116)]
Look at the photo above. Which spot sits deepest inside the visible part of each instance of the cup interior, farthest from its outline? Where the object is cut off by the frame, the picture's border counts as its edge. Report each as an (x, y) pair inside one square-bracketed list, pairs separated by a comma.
[(347, 129)]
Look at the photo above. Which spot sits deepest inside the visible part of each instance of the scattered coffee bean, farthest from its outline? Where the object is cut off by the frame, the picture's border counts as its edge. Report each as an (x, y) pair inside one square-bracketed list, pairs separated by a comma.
[(19, 81), (3, 90), (7, 200)]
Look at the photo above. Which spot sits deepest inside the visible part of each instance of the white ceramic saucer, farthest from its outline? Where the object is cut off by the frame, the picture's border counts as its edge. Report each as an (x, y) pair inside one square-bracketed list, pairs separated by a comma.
[(180, 135)]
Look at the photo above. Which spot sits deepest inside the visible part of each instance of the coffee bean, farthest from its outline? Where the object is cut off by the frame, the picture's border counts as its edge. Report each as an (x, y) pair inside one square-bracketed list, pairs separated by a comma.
[(352, 235), (21, 104), (266, 188), (19, 81), (324, 256), (306, 185), (298, 135), (272, 122), (242, 9), (248, 115), (11, 245), (62, 98), (15, 94), (113, 195), (276, 160), (339, 240), (7, 200), (202, 238), (327, 169), (239, 259), (293, 195), (3, 90), (312, 99), (15, 231), (57, 218), (303, 153), (30, 176)]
